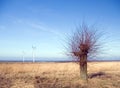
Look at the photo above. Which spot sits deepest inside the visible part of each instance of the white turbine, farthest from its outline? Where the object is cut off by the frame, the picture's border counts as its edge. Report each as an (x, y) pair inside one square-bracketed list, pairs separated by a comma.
[(23, 56), (33, 53)]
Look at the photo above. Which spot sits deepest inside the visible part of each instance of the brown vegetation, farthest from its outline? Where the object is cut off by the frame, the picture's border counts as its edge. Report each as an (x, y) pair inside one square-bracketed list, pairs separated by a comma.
[(47, 75)]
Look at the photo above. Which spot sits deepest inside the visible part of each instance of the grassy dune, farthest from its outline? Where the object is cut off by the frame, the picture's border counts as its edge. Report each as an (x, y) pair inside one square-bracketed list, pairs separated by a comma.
[(59, 75)]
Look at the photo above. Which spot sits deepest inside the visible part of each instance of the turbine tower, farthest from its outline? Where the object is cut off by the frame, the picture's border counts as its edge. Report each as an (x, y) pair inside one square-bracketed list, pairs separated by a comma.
[(33, 53), (23, 56)]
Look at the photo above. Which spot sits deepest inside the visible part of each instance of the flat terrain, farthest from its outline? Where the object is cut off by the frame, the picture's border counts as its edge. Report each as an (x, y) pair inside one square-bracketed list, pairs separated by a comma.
[(59, 75)]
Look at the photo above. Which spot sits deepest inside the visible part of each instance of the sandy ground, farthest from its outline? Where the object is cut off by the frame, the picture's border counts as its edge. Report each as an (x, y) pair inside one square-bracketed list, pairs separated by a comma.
[(59, 75)]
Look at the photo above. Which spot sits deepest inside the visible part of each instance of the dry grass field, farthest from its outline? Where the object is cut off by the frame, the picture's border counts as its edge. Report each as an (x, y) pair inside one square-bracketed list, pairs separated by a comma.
[(59, 75)]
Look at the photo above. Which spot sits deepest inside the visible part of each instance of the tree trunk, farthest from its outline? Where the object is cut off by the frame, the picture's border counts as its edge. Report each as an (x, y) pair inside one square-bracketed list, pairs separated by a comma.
[(83, 67)]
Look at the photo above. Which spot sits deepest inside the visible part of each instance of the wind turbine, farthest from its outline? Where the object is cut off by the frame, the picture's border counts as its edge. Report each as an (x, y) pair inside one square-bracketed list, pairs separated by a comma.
[(23, 57), (33, 53)]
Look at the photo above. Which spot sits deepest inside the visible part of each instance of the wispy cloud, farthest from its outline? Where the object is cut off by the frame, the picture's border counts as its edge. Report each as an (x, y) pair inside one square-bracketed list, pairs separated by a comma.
[(40, 27), (37, 25)]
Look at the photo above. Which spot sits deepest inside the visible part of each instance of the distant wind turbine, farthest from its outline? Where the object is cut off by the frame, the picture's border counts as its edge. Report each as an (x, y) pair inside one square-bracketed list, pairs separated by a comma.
[(33, 53), (23, 56)]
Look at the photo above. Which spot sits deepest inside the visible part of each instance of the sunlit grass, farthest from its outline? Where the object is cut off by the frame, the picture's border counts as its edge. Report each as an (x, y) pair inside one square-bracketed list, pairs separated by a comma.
[(58, 75)]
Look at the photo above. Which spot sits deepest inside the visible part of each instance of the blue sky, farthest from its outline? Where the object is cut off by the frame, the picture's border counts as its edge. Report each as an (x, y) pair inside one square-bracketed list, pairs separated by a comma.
[(45, 24)]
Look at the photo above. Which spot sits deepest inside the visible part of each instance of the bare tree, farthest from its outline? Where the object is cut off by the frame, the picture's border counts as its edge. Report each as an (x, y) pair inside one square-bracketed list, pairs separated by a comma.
[(82, 45)]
